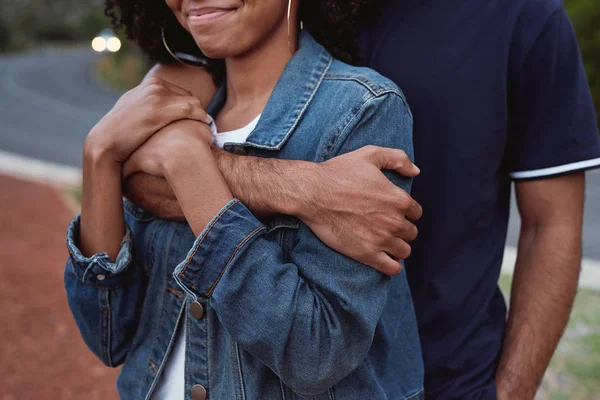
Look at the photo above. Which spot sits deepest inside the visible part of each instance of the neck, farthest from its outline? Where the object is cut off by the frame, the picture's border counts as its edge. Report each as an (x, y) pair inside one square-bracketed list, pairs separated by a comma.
[(251, 77)]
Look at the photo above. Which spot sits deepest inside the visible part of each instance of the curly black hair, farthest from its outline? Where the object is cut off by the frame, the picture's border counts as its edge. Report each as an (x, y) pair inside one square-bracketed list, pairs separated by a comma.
[(333, 23)]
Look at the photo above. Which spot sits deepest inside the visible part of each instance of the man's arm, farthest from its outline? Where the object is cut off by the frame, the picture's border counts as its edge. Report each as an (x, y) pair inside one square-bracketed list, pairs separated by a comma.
[(545, 281), (329, 197), (243, 175)]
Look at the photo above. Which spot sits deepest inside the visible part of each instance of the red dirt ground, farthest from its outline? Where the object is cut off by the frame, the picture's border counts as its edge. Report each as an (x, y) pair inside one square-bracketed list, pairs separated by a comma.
[(42, 355)]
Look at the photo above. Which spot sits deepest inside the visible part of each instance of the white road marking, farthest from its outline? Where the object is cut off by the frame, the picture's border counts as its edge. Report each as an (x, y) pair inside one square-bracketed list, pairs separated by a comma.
[(30, 168)]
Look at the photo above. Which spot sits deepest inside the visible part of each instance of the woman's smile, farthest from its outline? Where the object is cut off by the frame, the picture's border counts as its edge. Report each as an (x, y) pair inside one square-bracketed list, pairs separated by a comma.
[(228, 28), (204, 15)]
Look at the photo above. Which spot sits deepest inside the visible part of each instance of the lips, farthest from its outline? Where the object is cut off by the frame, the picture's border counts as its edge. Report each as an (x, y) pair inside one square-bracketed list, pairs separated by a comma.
[(199, 12), (207, 14)]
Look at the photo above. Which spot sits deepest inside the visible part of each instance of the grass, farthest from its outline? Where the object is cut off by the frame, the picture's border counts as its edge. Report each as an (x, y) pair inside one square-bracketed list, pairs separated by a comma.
[(574, 372), (75, 193)]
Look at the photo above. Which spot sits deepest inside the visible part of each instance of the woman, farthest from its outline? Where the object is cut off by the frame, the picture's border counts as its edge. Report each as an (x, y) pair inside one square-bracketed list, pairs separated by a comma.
[(226, 305)]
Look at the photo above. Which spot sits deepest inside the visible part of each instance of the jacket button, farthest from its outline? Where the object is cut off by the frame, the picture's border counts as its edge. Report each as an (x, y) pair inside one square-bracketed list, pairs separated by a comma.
[(197, 310), (198, 392)]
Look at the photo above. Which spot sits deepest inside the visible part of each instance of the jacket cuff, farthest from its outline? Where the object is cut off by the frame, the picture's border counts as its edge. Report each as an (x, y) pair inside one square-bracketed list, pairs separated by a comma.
[(215, 249), (98, 270)]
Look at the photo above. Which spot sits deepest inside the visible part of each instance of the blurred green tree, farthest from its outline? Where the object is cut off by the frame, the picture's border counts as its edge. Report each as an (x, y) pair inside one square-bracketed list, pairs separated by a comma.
[(32, 22), (4, 37), (92, 22), (585, 15)]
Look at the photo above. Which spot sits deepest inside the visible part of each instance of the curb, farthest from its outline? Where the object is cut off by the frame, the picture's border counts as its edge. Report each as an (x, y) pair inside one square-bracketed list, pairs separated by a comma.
[(32, 169)]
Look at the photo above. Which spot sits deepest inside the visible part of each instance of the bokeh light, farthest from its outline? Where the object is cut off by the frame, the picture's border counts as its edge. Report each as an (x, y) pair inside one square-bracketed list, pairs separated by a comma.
[(99, 44), (113, 44)]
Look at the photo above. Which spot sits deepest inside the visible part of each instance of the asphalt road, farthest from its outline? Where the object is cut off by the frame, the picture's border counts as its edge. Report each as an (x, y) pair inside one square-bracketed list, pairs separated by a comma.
[(48, 103)]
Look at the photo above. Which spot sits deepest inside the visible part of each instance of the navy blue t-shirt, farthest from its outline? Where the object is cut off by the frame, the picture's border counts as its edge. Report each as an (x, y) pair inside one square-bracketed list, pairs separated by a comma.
[(498, 93)]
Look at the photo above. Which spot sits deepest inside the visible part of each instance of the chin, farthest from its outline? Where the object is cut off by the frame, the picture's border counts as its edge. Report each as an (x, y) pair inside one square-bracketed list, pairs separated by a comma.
[(216, 54), (217, 50)]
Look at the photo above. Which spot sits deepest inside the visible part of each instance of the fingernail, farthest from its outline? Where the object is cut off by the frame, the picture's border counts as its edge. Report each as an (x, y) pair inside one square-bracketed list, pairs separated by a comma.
[(417, 168), (209, 118)]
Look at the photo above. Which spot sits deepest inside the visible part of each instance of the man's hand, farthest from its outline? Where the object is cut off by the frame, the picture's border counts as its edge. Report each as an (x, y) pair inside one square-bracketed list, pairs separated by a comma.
[(154, 195), (352, 207)]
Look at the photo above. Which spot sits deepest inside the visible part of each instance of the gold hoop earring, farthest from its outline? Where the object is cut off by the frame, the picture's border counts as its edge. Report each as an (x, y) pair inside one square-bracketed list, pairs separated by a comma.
[(289, 26), (191, 60)]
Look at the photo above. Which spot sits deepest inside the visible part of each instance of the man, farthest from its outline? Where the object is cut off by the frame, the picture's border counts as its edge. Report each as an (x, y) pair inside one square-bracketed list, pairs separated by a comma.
[(498, 93)]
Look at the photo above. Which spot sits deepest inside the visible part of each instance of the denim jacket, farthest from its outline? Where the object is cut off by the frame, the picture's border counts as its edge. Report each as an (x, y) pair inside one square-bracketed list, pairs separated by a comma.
[(270, 311)]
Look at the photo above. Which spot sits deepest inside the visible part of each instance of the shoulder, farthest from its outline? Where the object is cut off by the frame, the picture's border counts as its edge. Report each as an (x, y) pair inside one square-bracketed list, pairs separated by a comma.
[(353, 107), (361, 78), (361, 86), (377, 111), (538, 9), (534, 17), (542, 27)]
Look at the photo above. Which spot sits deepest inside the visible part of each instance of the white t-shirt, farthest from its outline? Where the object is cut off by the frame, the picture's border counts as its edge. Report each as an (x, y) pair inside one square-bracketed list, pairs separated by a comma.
[(171, 384), (235, 136)]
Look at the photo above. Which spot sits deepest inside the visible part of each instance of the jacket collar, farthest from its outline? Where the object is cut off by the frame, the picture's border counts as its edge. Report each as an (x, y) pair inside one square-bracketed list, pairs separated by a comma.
[(290, 98)]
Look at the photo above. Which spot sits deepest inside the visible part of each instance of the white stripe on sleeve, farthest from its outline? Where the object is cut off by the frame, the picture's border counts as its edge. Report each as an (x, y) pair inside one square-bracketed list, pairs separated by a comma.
[(560, 169)]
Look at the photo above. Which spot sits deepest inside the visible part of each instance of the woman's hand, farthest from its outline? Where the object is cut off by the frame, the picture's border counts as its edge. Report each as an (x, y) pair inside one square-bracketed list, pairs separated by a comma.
[(138, 115), (165, 147), (181, 153)]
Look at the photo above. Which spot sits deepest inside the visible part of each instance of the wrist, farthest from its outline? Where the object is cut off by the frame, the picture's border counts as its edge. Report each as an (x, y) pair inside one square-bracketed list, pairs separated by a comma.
[(274, 186), (303, 183), (268, 186), (187, 159), (510, 385), (98, 152)]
